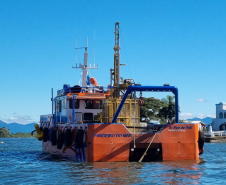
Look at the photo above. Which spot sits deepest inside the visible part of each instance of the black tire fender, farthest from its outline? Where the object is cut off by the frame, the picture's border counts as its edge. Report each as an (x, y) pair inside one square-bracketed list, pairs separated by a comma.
[(201, 141), (45, 134), (67, 137), (79, 138), (54, 137), (60, 140)]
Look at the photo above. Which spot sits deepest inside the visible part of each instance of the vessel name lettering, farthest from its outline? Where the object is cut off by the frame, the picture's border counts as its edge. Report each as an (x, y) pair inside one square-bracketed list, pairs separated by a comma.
[(112, 135), (183, 127)]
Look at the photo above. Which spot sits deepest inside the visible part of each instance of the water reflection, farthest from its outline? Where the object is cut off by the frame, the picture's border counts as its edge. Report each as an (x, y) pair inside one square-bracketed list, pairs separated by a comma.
[(109, 173), (179, 172), (22, 164), (170, 172)]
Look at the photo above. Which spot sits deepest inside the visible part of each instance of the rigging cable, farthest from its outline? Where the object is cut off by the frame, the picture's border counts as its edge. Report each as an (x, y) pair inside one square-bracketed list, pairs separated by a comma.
[(125, 54), (96, 75)]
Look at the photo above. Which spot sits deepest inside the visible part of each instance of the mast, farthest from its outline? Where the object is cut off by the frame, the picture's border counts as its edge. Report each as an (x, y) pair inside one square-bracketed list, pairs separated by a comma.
[(116, 62), (84, 67)]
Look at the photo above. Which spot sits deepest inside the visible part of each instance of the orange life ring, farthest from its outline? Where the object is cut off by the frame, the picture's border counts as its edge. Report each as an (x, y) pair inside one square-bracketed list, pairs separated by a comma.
[(93, 81)]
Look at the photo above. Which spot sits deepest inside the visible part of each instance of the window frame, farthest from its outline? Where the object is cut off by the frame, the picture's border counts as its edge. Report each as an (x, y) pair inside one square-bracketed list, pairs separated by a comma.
[(77, 105), (100, 105)]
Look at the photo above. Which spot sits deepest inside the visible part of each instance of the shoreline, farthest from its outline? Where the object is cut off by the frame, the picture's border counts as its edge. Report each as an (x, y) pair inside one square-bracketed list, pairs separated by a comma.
[(215, 139)]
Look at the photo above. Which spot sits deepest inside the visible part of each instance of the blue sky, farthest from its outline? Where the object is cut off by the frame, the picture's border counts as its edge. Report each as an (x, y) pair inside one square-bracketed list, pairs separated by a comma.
[(178, 42)]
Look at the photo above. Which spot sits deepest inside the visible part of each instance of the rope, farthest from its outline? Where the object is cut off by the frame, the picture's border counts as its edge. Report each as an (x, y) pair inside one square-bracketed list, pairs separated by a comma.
[(13, 144), (147, 149), (214, 154), (31, 143), (47, 145), (47, 155)]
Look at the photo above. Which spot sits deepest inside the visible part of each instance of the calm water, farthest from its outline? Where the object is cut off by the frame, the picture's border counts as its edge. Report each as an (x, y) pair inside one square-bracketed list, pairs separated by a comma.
[(20, 164)]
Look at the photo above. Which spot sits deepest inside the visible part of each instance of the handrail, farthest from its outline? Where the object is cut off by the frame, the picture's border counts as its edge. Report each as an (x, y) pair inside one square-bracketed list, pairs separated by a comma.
[(130, 89)]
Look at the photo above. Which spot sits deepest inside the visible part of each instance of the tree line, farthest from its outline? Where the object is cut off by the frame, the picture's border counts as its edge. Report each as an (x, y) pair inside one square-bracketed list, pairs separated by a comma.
[(4, 133), (161, 110)]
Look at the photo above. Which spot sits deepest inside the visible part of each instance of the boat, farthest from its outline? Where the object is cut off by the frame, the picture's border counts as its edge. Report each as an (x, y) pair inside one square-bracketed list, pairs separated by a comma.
[(90, 123)]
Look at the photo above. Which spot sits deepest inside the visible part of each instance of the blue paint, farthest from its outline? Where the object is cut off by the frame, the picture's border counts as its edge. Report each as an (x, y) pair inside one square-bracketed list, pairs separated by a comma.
[(130, 89), (63, 118), (83, 155), (88, 81), (76, 156), (80, 156), (178, 127)]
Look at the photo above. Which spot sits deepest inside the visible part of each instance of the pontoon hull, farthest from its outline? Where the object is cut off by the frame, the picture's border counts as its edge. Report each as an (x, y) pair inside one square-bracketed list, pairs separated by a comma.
[(114, 143)]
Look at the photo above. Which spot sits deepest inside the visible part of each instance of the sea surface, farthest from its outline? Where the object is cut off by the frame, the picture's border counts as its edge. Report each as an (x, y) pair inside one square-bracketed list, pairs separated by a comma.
[(23, 162)]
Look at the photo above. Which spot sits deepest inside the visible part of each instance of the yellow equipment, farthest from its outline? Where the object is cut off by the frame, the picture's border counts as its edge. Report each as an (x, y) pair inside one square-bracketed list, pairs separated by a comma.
[(39, 134)]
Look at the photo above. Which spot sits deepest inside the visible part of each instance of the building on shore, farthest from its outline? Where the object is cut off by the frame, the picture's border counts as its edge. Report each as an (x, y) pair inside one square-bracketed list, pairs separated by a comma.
[(219, 123), (202, 126)]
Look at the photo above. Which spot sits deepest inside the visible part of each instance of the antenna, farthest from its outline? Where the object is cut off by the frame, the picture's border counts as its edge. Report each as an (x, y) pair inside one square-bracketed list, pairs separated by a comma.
[(76, 50), (87, 43), (94, 50), (84, 66)]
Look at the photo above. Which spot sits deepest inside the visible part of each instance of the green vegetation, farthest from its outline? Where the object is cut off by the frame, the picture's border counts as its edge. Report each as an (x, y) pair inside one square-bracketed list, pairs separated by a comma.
[(155, 109), (4, 133)]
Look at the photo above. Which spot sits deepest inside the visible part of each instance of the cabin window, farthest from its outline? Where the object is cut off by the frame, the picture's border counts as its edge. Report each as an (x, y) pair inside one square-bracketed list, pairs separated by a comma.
[(93, 104), (88, 116), (59, 106), (54, 107), (64, 104), (221, 115), (71, 104), (225, 115)]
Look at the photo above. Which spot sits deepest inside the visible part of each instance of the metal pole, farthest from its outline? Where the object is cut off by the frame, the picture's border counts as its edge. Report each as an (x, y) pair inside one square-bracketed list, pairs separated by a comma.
[(73, 109), (118, 64), (52, 98), (176, 106)]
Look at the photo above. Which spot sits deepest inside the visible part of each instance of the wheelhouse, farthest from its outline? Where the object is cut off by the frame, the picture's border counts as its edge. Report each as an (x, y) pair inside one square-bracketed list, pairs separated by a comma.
[(78, 107)]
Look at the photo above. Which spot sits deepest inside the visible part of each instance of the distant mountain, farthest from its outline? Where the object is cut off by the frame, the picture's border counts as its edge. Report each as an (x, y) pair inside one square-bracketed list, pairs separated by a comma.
[(16, 127), (206, 120)]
